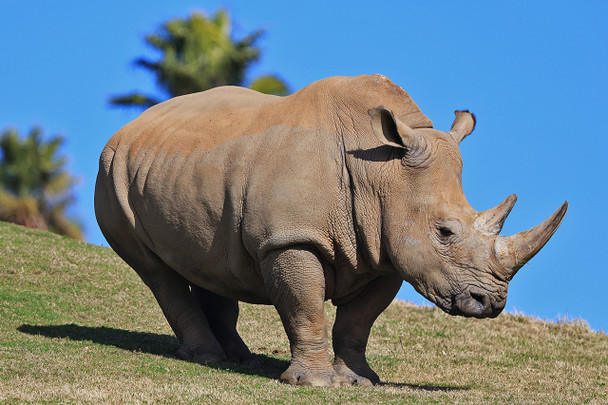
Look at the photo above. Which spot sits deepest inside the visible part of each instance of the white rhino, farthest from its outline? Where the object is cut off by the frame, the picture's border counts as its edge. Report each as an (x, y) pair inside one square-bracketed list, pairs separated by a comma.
[(338, 192)]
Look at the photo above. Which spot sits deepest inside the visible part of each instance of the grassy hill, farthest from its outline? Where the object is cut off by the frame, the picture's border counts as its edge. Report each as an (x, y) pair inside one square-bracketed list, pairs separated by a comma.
[(78, 326)]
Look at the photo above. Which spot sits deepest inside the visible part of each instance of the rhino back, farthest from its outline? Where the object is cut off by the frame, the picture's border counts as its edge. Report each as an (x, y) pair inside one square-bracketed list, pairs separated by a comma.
[(193, 122)]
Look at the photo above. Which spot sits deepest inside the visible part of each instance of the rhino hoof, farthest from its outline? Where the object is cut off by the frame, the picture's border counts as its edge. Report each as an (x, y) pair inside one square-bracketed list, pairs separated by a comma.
[(299, 376), (200, 355), (251, 360), (365, 378)]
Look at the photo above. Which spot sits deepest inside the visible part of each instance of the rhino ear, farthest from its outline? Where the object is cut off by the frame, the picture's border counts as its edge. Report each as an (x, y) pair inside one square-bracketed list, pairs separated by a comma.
[(463, 125), (390, 131)]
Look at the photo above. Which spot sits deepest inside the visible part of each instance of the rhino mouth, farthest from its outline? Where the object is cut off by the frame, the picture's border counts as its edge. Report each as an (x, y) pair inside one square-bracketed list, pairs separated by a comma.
[(476, 304)]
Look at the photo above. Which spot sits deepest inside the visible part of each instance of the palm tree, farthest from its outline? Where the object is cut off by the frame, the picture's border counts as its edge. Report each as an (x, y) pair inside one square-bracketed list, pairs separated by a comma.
[(198, 53), (35, 189)]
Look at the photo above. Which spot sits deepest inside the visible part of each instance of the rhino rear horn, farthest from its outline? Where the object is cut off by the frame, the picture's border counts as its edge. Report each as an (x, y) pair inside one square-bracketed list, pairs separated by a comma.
[(463, 125), (490, 222), (514, 251)]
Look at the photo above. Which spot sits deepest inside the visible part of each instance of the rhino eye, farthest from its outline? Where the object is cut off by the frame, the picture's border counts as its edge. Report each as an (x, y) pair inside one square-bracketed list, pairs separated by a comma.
[(445, 232)]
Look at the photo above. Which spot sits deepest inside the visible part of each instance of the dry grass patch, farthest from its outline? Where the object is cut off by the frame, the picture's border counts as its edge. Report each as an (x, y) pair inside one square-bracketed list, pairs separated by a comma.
[(78, 326)]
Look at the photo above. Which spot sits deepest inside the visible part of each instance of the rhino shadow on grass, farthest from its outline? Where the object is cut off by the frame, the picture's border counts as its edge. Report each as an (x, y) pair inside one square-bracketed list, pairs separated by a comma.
[(167, 345), (426, 387), (151, 343)]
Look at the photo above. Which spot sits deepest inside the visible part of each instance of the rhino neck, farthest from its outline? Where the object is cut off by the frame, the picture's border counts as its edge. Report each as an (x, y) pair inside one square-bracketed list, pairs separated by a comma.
[(365, 210), (365, 160)]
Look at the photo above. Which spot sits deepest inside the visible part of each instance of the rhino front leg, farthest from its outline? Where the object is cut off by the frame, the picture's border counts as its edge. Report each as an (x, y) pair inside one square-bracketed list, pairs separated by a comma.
[(354, 320), (296, 284)]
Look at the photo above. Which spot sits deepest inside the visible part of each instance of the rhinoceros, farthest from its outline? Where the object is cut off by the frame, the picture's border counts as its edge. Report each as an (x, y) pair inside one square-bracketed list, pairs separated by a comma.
[(337, 192)]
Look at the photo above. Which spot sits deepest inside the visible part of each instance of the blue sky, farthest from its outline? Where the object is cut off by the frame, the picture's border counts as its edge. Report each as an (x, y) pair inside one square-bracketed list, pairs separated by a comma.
[(535, 73)]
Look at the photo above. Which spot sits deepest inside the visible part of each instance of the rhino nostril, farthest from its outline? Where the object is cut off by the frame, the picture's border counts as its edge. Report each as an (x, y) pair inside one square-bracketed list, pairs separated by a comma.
[(482, 299)]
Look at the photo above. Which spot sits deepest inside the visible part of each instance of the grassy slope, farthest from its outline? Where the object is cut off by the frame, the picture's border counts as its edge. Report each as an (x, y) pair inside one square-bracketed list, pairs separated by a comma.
[(77, 325)]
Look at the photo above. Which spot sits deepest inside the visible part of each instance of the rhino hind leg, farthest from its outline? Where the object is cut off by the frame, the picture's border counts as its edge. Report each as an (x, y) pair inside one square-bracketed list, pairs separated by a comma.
[(222, 314), (351, 330), (170, 289), (187, 320), (172, 292)]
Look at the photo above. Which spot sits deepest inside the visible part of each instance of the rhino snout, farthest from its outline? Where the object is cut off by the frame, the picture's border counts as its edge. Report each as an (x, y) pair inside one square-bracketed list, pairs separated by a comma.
[(476, 304)]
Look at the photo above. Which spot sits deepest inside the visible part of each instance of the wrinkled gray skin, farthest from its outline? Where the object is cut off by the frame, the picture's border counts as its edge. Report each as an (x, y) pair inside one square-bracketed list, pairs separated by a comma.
[(340, 191)]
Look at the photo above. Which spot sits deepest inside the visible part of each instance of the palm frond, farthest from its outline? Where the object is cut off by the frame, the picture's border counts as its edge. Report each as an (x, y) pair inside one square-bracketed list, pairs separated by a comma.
[(196, 54)]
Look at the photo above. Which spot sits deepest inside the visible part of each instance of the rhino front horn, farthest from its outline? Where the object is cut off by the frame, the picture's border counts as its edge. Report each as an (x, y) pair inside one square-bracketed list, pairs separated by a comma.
[(514, 251)]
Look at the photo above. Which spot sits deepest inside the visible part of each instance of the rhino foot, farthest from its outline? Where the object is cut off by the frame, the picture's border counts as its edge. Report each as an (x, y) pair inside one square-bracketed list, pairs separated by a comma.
[(300, 375), (200, 354), (236, 350), (363, 376), (246, 358)]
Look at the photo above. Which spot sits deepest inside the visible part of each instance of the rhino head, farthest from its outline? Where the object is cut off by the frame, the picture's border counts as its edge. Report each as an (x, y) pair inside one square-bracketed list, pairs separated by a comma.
[(450, 253)]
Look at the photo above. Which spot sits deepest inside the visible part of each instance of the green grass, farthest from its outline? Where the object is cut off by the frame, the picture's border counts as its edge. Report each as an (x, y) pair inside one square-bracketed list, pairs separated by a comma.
[(78, 326)]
